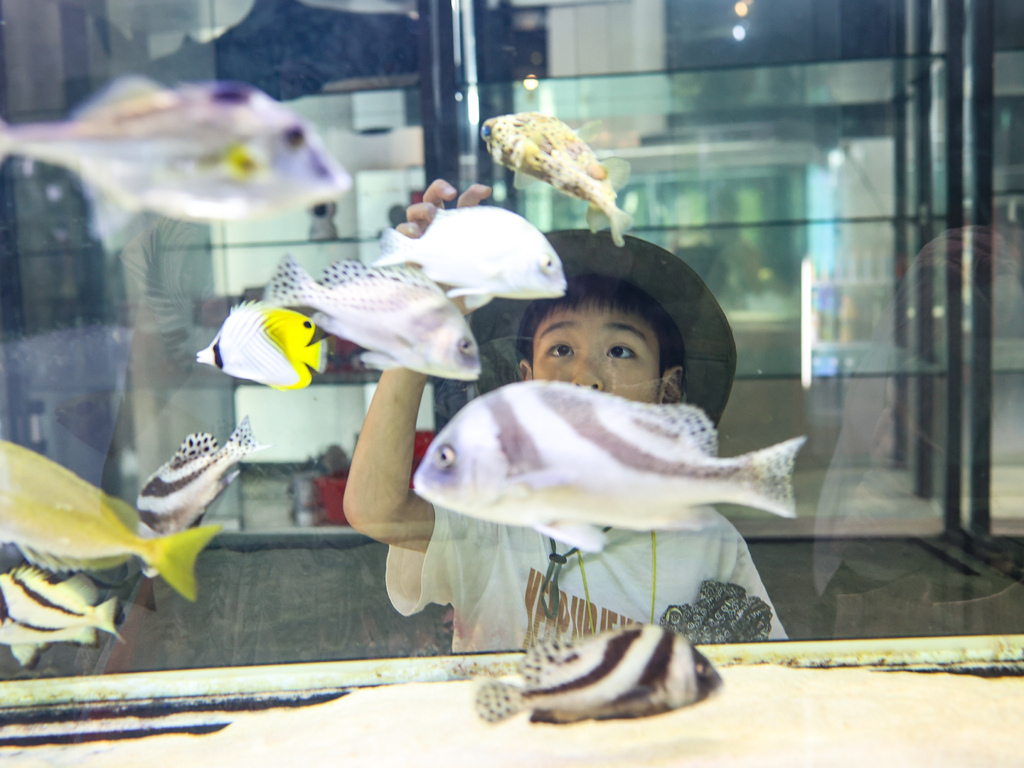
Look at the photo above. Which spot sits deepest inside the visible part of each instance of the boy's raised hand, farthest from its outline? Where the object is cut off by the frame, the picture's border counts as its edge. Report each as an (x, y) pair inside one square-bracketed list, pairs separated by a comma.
[(420, 215)]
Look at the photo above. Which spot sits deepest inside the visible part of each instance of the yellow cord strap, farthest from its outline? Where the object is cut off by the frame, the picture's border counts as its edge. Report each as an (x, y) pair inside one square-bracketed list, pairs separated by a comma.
[(654, 580)]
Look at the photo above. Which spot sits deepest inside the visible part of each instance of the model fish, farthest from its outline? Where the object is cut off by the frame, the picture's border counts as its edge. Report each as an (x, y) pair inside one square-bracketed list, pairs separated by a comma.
[(397, 313), (482, 251), (62, 523), (545, 148), (201, 151), (37, 608), (632, 672), (270, 345), (176, 495), (566, 460)]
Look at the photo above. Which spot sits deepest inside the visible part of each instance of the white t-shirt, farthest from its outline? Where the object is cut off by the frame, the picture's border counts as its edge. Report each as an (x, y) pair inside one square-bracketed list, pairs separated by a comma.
[(492, 575)]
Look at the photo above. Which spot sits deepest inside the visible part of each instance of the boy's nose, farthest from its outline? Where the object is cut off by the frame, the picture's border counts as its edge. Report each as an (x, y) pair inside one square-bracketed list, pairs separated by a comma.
[(586, 376)]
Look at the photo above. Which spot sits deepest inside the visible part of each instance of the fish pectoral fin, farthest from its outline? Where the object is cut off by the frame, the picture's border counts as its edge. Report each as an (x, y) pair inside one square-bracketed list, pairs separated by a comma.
[(618, 171), (473, 298), (589, 538), (523, 180), (588, 131), (27, 654), (597, 219)]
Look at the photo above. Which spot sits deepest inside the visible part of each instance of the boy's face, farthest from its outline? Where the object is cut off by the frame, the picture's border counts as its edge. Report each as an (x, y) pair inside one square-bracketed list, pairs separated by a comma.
[(604, 349)]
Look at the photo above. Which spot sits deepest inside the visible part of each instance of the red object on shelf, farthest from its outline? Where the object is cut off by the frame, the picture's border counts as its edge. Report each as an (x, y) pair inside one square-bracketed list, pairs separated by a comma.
[(330, 490)]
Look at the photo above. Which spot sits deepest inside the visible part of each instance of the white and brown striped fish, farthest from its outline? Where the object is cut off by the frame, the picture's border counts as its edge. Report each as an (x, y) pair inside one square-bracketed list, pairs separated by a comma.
[(567, 461), (176, 495), (538, 146), (632, 672), (37, 608)]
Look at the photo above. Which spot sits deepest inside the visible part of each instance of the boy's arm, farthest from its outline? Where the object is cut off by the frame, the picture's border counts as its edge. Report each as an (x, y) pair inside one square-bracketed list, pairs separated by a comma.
[(378, 500)]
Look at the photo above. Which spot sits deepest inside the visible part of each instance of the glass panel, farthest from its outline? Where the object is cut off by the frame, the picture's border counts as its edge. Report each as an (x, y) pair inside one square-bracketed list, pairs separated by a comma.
[(788, 157)]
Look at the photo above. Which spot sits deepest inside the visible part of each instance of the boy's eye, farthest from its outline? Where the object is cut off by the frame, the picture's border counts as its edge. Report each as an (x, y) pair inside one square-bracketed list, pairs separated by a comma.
[(560, 350), (620, 351)]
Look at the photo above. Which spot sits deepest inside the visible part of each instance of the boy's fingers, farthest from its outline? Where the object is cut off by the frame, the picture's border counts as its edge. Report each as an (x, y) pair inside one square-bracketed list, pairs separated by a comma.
[(439, 191), (421, 214), (409, 229), (476, 194)]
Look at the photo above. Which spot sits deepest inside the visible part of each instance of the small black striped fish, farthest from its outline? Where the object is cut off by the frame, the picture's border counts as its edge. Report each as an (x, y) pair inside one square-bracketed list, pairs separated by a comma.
[(176, 495), (36, 609), (567, 461), (632, 672)]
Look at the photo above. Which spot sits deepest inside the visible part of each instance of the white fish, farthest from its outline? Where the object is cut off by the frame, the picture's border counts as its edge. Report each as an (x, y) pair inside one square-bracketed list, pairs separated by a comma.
[(176, 495), (632, 672), (567, 460), (267, 344), (36, 608), (201, 151), (482, 251), (397, 313)]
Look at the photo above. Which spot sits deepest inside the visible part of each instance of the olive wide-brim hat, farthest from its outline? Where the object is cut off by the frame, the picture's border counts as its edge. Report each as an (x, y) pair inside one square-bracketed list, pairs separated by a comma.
[(707, 337)]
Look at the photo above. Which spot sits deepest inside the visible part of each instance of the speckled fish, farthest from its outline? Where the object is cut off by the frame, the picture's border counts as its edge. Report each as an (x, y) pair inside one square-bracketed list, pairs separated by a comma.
[(567, 460), (37, 608), (397, 313), (63, 523), (545, 148), (201, 151), (176, 496), (632, 672), (483, 252), (267, 344)]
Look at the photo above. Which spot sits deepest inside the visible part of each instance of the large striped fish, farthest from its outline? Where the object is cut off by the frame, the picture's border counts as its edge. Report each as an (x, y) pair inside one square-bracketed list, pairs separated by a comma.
[(631, 672), (567, 460), (177, 494)]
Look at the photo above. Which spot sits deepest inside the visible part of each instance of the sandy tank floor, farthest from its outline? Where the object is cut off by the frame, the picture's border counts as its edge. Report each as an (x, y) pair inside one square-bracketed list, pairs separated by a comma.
[(764, 716)]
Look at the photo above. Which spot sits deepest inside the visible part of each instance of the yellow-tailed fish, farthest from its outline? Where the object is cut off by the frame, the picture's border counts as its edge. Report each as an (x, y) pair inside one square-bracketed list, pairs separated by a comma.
[(201, 151), (62, 523), (271, 345), (538, 146)]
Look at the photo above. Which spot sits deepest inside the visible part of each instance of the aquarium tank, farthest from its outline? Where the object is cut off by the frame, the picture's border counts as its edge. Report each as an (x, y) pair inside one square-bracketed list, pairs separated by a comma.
[(234, 320)]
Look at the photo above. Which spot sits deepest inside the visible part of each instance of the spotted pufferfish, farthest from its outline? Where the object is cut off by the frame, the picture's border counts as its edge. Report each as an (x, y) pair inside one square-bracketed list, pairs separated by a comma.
[(538, 146)]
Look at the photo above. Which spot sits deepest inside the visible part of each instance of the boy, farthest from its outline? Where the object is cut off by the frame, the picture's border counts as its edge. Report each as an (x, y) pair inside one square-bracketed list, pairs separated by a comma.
[(511, 586)]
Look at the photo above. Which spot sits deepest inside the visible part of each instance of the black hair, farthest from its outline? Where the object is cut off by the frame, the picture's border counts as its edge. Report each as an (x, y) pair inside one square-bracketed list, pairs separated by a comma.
[(608, 293)]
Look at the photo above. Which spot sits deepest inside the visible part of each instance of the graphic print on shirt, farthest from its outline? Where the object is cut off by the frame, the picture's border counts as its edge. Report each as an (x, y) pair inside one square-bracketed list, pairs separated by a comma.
[(572, 615)]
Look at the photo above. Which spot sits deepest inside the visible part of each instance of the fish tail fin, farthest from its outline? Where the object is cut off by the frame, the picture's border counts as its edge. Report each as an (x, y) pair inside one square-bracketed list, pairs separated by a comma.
[(496, 701), (395, 248), (105, 615), (619, 221), (174, 557), (243, 441), (290, 285), (771, 476)]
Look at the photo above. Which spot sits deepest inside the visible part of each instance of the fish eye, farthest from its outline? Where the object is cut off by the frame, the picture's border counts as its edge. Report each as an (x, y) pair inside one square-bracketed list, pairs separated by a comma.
[(485, 131), (445, 456), (295, 136), (465, 346), (547, 264), (306, 324)]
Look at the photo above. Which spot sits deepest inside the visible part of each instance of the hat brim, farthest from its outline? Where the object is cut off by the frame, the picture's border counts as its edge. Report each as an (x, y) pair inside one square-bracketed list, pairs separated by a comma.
[(707, 336)]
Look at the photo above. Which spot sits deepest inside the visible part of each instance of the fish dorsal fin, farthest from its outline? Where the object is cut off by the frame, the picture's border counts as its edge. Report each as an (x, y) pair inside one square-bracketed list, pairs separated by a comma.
[(119, 91), (523, 180), (291, 284), (344, 271), (618, 171), (685, 424), (544, 661), (196, 445), (243, 441), (588, 131)]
